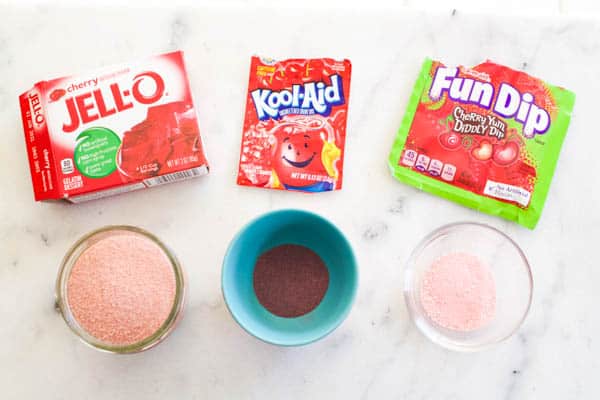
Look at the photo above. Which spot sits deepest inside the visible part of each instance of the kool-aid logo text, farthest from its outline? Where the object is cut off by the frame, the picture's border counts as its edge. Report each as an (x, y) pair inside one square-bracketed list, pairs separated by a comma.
[(36, 109), (102, 102), (509, 102), (308, 99)]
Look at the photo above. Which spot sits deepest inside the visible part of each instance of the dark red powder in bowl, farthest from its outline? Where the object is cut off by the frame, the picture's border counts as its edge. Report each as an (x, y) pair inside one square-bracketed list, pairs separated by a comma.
[(290, 280)]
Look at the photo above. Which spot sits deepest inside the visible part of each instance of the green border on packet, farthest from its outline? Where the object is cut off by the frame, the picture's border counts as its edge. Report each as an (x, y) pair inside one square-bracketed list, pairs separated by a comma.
[(546, 164)]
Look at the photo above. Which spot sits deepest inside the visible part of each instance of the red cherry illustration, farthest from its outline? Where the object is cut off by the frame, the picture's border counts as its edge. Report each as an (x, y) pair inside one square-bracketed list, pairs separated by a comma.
[(483, 152), (505, 154), (56, 94), (450, 140)]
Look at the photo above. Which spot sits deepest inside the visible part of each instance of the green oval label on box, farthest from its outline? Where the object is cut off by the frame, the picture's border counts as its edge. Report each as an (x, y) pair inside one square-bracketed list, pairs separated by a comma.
[(96, 152)]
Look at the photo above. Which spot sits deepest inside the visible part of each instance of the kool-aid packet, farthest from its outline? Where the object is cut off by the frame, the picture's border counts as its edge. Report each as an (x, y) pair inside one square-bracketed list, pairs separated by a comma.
[(487, 137), (295, 124)]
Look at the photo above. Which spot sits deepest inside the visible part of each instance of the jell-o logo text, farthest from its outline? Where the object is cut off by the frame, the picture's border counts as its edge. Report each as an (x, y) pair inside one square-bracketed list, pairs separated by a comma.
[(36, 108), (102, 102), (509, 102), (308, 99)]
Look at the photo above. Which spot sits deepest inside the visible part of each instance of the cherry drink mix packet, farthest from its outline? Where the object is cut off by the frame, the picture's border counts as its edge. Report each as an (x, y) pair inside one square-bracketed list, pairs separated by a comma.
[(114, 130), (295, 124), (486, 137)]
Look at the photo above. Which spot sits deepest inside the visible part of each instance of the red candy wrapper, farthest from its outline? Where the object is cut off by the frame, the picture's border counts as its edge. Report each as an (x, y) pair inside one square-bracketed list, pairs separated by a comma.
[(295, 124), (115, 130)]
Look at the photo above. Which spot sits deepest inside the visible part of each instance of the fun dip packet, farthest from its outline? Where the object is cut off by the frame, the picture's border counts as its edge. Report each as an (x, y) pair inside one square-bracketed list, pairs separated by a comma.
[(295, 124), (486, 137)]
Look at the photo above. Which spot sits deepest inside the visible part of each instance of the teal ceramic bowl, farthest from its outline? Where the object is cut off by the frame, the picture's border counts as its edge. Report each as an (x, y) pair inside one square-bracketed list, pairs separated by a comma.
[(289, 227)]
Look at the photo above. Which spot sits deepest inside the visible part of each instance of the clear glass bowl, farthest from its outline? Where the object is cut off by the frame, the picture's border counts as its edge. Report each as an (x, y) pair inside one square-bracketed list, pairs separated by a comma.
[(508, 265), (62, 303)]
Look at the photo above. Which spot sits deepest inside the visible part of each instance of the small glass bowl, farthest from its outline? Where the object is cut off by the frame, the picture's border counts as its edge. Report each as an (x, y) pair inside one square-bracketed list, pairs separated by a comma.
[(508, 265), (62, 303)]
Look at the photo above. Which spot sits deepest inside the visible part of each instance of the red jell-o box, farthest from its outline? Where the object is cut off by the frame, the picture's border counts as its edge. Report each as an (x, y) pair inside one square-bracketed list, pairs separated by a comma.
[(111, 131)]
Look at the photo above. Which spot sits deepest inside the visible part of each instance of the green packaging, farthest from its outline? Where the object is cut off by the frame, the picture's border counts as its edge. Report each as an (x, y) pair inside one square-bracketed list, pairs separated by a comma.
[(486, 137)]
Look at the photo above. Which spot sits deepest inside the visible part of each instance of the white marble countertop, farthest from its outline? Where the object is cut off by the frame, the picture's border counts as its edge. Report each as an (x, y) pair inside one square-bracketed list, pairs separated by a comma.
[(376, 353)]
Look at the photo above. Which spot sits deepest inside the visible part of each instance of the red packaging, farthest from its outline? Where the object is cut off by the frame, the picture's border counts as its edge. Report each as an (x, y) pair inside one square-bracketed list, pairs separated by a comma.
[(295, 124), (114, 130)]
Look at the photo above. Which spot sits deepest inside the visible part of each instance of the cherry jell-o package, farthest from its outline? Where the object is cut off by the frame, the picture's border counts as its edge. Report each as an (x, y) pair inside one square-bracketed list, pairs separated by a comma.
[(295, 124), (111, 131), (487, 137)]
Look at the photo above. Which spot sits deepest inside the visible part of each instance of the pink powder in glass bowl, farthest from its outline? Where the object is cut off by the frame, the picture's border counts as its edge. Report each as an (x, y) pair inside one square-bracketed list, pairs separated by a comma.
[(467, 286), (120, 289), (458, 292)]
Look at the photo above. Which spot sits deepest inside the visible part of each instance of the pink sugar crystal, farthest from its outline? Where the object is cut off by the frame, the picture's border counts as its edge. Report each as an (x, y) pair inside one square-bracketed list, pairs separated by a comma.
[(458, 292), (122, 288)]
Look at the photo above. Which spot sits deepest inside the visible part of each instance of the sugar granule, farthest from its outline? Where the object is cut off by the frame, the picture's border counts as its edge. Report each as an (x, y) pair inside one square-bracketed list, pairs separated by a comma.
[(458, 292), (122, 288)]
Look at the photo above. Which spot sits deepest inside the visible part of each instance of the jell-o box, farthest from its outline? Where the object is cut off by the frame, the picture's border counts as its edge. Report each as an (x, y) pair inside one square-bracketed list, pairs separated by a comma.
[(487, 137), (114, 130), (295, 124)]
